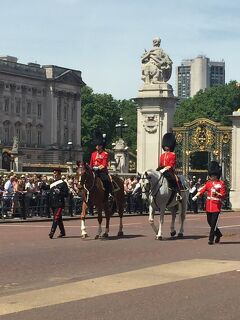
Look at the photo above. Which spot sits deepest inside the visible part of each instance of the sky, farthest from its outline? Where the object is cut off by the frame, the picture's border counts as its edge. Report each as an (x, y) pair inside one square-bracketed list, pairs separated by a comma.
[(106, 38)]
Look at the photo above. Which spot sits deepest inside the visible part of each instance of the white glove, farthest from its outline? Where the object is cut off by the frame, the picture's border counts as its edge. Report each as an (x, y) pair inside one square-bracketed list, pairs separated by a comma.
[(163, 170), (194, 198), (95, 168)]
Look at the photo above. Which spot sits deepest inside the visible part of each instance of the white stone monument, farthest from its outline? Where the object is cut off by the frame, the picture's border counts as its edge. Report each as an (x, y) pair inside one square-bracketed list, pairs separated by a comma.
[(156, 106), (121, 156), (235, 188)]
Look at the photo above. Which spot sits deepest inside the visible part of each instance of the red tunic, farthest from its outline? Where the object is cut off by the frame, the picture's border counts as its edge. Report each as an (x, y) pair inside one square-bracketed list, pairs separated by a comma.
[(213, 202), (168, 159), (98, 159)]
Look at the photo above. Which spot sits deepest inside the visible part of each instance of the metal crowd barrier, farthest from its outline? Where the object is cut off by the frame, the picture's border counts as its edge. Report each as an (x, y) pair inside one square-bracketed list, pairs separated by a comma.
[(25, 205)]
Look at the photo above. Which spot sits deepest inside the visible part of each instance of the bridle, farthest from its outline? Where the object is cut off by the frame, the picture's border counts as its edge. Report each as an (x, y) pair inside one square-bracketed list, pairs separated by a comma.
[(85, 169), (156, 186)]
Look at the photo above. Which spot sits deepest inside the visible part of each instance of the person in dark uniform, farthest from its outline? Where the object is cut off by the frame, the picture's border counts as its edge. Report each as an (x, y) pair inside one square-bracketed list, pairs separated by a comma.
[(99, 164), (58, 192), (167, 163)]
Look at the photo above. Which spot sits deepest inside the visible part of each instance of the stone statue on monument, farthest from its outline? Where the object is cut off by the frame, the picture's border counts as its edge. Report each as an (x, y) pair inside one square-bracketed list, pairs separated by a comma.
[(156, 65), (15, 145)]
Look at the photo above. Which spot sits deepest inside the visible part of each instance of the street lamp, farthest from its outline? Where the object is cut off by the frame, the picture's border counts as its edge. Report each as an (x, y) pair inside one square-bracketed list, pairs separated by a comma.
[(121, 126), (70, 150)]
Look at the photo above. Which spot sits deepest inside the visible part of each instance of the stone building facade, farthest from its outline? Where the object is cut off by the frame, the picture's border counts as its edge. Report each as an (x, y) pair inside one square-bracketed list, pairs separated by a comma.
[(41, 106)]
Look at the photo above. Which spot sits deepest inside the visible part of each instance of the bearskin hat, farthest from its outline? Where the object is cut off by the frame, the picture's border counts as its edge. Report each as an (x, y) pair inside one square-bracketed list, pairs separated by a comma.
[(169, 141), (214, 169), (99, 138)]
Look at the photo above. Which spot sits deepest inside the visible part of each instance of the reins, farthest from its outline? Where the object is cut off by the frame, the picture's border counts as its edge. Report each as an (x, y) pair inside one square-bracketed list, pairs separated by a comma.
[(157, 184), (84, 183)]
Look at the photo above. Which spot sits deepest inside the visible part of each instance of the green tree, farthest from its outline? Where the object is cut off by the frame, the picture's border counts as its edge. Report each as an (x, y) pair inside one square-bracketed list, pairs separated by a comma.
[(215, 103), (128, 109), (99, 112), (102, 112)]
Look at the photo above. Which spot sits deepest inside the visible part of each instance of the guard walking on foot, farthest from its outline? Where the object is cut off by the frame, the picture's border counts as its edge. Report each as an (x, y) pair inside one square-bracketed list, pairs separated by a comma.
[(58, 192), (216, 191)]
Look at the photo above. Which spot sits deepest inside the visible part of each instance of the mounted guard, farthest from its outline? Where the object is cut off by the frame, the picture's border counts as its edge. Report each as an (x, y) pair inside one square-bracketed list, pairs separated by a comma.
[(164, 185), (167, 164), (96, 185), (99, 164)]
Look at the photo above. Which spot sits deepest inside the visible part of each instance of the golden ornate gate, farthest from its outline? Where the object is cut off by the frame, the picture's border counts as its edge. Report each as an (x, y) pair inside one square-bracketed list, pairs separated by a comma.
[(201, 141)]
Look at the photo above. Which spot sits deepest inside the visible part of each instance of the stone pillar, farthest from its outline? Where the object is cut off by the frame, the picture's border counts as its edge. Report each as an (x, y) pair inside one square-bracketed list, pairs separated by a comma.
[(53, 139), (78, 119), (235, 187), (121, 156), (1, 150), (155, 111)]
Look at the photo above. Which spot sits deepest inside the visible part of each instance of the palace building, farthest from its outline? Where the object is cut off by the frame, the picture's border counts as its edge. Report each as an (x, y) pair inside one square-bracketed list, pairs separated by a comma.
[(40, 108)]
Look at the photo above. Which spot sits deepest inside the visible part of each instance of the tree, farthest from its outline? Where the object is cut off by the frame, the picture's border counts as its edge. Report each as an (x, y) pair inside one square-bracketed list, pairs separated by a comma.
[(99, 112), (102, 112), (215, 103), (128, 111)]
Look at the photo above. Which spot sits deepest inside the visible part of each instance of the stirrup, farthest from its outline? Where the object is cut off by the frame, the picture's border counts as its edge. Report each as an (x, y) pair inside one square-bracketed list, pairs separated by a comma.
[(178, 197)]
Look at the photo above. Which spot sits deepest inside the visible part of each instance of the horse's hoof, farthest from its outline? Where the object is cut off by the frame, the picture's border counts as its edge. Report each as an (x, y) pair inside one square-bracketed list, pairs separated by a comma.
[(180, 235), (84, 236), (173, 233), (105, 235), (120, 234), (159, 238), (97, 237)]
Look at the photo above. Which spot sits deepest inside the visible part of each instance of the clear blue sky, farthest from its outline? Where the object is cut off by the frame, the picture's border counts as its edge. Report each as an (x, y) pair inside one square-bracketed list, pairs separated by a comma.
[(106, 38)]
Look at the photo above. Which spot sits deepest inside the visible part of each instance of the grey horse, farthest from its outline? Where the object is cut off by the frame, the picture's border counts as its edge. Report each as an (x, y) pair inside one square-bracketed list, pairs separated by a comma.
[(160, 199)]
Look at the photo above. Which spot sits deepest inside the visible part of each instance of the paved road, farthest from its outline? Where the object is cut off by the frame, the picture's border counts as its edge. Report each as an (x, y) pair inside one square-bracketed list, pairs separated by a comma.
[(135, 277)]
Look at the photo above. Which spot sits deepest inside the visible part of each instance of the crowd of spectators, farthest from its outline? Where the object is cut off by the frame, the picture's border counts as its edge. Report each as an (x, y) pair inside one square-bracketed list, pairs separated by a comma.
[(28, 195), (134, 196)]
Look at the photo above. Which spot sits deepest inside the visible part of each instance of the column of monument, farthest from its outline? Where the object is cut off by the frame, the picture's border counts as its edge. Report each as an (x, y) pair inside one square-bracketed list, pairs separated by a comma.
[(235, 188), (156, 106)]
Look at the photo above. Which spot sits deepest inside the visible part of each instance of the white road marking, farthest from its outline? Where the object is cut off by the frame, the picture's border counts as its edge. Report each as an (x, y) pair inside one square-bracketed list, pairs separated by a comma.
[(142, 278), (232, 226)]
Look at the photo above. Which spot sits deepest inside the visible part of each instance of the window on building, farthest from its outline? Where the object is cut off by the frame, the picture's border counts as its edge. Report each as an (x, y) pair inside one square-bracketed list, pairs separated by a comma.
[(39, 110), (59, 108), (29, 136), (39, 138), (73, 137), (65, 136), (29, 107), (18, 133), (6, 137), (18, 106), (65, 112), (6, 104)]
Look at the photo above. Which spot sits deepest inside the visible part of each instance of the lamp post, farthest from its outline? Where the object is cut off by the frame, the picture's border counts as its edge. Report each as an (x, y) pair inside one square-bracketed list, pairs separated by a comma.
[(121, 149), (70, 150), (121, 126)]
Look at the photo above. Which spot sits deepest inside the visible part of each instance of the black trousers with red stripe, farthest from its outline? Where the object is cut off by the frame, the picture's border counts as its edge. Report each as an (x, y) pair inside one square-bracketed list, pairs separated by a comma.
[(57, 221), (212, 219)]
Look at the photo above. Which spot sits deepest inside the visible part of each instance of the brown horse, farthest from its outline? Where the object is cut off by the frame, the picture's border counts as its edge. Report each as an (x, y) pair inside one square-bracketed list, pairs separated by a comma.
[(92, 189)]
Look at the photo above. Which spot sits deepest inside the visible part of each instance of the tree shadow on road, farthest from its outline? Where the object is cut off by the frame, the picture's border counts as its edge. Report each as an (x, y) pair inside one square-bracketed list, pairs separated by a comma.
[(229, 242), (127, 236), (190, 237)]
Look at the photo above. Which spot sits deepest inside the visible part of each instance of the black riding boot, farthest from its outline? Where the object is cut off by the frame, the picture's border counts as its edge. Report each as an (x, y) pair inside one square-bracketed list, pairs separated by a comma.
[(53, 229), (61, 227)]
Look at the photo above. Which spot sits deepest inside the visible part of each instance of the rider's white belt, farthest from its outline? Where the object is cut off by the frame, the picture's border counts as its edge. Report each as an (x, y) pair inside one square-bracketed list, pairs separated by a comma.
[(213, 198)]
